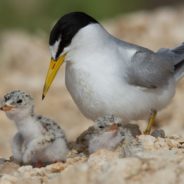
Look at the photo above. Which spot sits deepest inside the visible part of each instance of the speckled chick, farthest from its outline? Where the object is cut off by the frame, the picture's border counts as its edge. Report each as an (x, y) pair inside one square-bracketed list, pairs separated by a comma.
[(39, 139), (107, 133)]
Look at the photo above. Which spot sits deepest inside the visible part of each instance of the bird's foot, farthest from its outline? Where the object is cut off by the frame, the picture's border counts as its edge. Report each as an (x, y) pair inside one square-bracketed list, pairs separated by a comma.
[(39, 164), (147, 132)]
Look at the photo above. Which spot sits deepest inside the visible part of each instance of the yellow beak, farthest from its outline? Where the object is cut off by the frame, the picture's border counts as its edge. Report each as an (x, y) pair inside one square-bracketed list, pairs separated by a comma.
[(52, 71)]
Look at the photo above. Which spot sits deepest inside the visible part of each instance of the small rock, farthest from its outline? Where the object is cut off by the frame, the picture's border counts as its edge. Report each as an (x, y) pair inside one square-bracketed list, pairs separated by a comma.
[(147, 141), (158, 133), (24, 169), (8, 179), (2, 161), (172, 143), (57, 167), (131, 149), (8, 167), (161, 144), (128, 166), (101, 157)]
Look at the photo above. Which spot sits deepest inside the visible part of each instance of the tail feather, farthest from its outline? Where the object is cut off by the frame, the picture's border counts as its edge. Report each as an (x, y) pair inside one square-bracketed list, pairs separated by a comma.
[(176, 56), (179, 70), (179, 67), (179, 50)]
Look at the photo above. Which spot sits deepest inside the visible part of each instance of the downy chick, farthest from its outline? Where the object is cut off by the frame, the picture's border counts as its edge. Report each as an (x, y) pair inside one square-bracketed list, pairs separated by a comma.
[(39, 139), (107, 133)]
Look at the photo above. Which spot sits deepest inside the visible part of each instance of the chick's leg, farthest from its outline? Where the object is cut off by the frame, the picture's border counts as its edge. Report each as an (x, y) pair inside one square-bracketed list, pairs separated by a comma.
[(150, 122), (16, 145), (35, 146)]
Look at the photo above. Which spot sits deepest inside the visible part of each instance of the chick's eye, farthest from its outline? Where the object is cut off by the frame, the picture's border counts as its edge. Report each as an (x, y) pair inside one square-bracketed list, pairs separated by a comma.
[(19, 101), (122, 134), (101, 126), (6, 98)]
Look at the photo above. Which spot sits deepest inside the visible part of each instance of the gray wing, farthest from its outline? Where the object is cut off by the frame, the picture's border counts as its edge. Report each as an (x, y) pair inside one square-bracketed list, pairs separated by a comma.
[(175, 56), (50, 127), (149, 69)]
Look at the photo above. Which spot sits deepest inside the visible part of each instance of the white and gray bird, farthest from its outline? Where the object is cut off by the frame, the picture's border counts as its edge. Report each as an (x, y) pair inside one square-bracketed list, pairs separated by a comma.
[(39, 140), (105, 75), (107, 133)]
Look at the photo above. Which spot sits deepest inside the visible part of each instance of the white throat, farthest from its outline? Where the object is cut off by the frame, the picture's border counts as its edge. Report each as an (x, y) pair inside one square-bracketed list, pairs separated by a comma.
[(23, 122)]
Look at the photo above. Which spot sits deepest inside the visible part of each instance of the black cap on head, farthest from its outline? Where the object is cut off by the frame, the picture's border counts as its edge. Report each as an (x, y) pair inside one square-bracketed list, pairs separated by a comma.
[(67, 26)]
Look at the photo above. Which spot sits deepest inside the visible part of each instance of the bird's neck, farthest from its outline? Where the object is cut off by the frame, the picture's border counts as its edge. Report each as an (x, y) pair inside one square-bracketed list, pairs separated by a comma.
[(21, 117), (28, 127), (20, 122)]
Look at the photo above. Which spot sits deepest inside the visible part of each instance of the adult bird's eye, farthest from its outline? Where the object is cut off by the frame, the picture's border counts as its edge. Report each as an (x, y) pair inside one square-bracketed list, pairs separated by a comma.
[(19, 101)]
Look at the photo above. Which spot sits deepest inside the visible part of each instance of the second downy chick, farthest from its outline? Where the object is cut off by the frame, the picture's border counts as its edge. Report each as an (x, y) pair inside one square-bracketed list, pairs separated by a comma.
[(107, 133)]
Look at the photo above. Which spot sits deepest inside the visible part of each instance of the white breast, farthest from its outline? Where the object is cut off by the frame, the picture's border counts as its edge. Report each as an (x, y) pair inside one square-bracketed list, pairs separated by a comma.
[(29, 129), (99, 93)]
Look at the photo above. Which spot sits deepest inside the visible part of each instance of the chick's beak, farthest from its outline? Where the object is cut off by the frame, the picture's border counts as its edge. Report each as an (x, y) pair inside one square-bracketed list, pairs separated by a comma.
[(52, 71), (113, 128), (6, 107)]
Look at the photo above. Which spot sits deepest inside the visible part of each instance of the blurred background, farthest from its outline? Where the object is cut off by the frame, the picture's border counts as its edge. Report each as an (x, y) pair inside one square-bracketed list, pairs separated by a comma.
[(39, 15), (24, 53)]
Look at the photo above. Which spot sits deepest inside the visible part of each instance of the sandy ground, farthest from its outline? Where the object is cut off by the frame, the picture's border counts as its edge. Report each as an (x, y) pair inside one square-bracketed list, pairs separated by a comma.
[(24, 60), (141, 160)]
